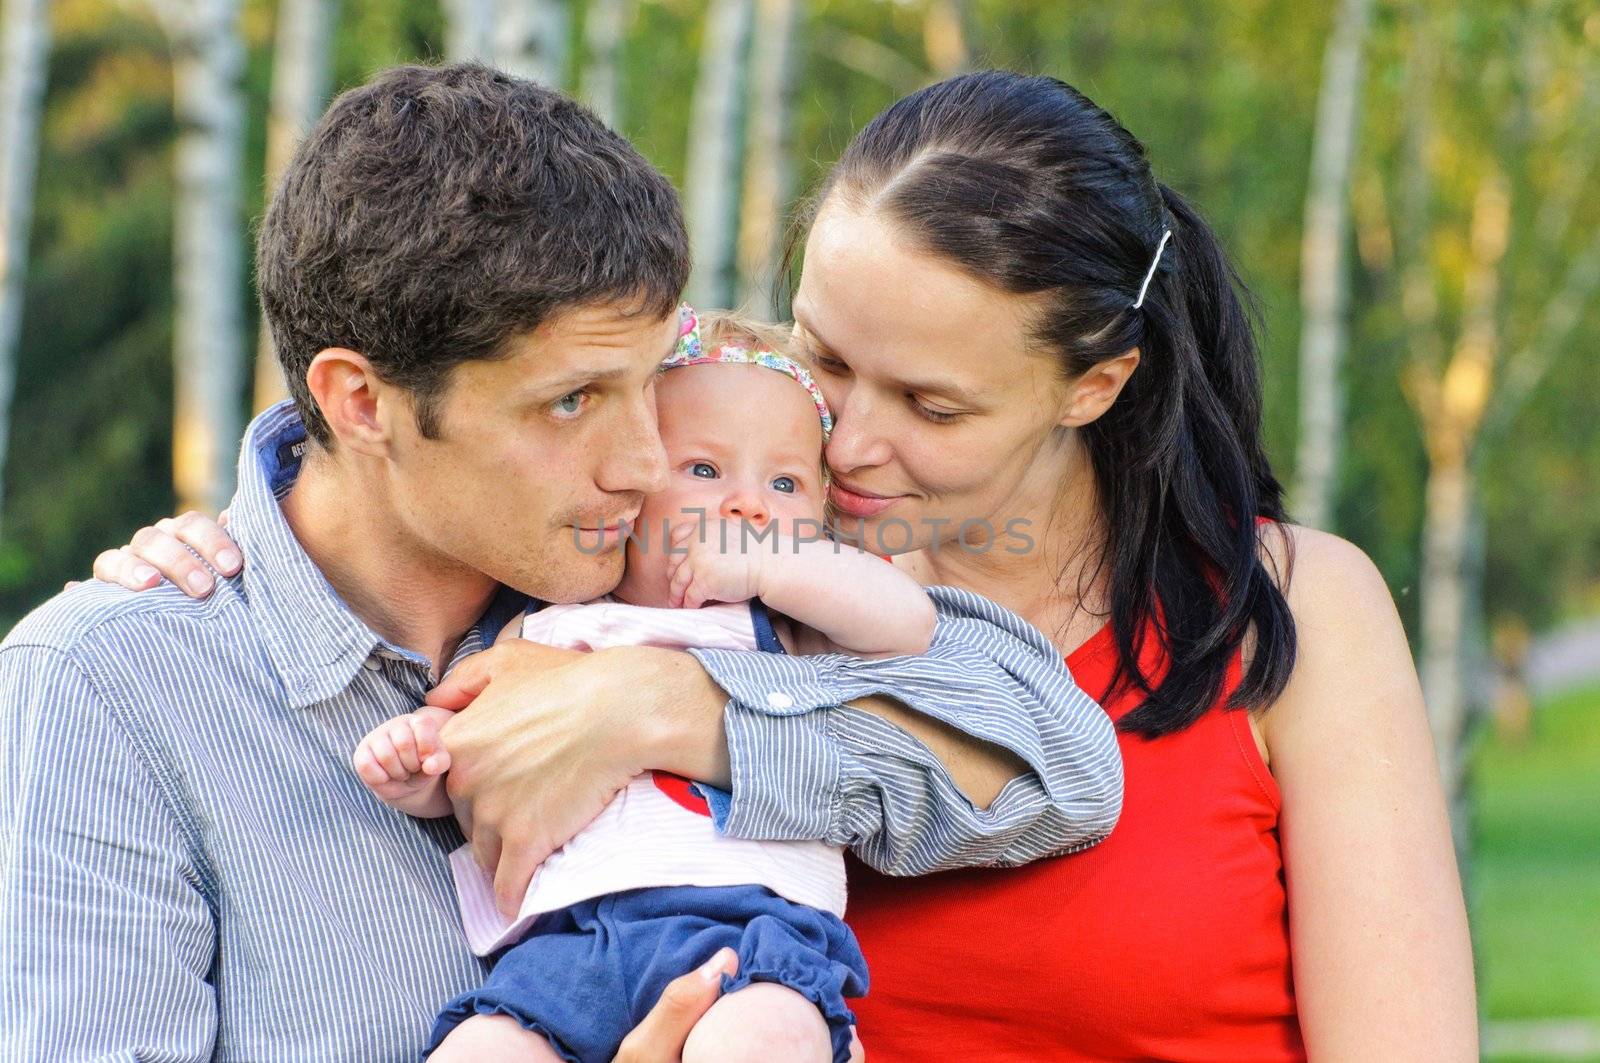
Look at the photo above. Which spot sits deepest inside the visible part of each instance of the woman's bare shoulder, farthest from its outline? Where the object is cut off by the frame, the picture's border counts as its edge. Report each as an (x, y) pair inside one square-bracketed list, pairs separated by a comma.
[(1318, 571), (1346, 625)]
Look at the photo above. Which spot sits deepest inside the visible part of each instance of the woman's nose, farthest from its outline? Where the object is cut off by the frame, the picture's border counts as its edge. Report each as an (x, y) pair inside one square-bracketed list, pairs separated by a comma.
[(856, 443)]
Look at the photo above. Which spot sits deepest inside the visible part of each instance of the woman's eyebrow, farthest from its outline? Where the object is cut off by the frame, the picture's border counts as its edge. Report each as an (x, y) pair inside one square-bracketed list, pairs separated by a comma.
[(949, 389)]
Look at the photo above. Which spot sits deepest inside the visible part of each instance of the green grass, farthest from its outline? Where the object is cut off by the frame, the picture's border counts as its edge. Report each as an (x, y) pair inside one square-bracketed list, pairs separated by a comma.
[(1535, 866)]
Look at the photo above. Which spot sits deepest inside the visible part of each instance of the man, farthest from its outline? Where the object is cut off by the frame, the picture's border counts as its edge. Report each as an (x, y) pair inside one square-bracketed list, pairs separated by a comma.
[(470, 282)]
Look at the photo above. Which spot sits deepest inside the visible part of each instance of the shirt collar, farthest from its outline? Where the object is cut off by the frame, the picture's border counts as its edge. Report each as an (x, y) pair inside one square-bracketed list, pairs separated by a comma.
[(315, 642)]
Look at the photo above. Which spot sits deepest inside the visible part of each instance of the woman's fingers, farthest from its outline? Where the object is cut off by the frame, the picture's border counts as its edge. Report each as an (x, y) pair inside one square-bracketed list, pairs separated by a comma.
[(162, 550), (661, 1036), (119, 566), (206, 537)]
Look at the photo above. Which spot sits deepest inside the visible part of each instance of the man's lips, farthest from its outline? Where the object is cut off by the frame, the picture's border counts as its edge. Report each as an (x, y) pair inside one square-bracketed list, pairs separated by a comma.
[(612, 527), (857, 502)]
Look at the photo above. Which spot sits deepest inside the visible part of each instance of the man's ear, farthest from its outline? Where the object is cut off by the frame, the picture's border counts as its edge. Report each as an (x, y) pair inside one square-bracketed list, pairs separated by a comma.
[(352, 399), (1093, 393)]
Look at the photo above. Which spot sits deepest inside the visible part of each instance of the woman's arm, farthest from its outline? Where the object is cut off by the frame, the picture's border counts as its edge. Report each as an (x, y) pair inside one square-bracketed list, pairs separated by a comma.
[(1382, 957), (982, 751)]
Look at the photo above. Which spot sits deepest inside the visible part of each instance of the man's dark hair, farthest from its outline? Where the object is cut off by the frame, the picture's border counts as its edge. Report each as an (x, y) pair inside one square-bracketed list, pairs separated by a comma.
[(436, 212)]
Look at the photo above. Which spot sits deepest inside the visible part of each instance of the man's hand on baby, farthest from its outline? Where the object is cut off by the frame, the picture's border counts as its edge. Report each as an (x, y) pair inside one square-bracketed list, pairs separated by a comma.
[(403, 761), (719, 561)]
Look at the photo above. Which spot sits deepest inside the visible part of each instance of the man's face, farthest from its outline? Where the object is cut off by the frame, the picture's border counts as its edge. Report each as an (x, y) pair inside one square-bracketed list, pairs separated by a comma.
[(541, 455)]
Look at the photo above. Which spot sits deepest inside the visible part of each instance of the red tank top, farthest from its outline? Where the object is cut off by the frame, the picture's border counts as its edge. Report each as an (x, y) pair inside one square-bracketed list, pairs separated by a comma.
[(1168, 940)]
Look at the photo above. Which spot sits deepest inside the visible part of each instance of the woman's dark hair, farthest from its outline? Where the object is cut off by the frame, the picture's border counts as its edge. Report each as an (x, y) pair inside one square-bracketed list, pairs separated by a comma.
[(1027, 185)]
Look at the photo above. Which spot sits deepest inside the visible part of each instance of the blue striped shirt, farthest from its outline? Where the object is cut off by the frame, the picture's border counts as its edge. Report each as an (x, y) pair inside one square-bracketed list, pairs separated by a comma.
[(190, 869)]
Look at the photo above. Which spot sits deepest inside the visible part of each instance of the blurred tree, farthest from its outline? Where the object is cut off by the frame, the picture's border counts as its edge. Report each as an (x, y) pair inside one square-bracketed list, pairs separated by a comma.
[(530, 39), (769, 166), (605, 24), (24, 46), (947, 35), (302, 65), (1491, 178), (716, 127), (207, 74), (469, 30), (1323, 271)]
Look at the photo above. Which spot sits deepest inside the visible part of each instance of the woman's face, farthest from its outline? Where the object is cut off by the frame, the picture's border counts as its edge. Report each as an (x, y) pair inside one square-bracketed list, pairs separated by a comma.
[(943, 413)]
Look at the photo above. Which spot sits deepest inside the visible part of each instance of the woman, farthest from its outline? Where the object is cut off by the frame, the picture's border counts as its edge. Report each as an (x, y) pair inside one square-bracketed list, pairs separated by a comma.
[(1018, 327)]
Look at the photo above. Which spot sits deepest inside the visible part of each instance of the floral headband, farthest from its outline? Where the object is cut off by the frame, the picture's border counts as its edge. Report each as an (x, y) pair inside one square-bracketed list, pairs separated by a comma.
[(690, 351)]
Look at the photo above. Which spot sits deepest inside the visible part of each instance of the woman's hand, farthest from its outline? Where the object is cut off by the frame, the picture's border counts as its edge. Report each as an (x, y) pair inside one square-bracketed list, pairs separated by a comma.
[(545, 738), (160, 550)]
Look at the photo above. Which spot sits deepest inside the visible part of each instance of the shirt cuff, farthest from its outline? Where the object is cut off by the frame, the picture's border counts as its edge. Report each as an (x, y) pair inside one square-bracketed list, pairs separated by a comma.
[(784, 762)]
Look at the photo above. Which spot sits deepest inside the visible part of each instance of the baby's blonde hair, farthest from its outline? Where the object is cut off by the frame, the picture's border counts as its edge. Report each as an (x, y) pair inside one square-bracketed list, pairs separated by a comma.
[(730, 328), (723, 328)]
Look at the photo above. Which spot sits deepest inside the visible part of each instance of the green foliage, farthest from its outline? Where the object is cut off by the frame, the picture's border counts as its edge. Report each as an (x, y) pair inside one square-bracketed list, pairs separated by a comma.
[(1222, 94)]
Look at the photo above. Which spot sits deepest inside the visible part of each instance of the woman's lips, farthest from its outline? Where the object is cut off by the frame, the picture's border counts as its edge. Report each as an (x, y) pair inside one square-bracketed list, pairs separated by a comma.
[(856, 503)]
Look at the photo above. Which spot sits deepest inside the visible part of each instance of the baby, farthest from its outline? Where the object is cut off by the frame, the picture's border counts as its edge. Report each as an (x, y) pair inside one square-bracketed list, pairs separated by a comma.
[(729, 555)]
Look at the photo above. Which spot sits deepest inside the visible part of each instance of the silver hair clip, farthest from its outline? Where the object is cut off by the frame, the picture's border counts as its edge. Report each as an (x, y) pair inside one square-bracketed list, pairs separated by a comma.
[(1154, 262)]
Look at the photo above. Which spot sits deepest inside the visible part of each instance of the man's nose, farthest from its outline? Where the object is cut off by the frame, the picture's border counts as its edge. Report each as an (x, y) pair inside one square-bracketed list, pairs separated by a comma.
[(638, 462)]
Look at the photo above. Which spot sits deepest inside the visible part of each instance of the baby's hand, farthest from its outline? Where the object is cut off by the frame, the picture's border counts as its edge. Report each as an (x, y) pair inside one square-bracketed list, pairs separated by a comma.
[(403, 762), (706, 572)]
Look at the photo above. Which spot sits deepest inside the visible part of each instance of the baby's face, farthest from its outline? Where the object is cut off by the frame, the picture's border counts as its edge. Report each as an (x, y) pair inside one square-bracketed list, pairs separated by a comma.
[(743, 442)]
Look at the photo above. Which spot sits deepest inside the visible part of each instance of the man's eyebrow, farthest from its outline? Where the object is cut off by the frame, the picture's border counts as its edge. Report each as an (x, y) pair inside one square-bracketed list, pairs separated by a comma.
[(578, 378)]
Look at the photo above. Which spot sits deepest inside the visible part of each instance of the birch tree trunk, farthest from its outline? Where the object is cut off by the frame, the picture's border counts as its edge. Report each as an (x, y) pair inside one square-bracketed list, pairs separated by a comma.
[(604, 29), (530, 39), (24, 49), (1451, 406), (715, 131), (1324, 270), (469, 30), (301, 69), (947, 34), (769, 158), (208, 363)]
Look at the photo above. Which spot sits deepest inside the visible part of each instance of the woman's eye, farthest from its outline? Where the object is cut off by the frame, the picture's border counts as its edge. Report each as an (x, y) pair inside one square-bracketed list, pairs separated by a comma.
[(936, 416), (831, 366), (570, 405), (784, 484), (704, 470)]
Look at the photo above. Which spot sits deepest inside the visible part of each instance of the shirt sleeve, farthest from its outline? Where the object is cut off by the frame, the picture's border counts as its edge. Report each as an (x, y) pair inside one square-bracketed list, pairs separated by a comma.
[(806, 765), (105, 930)]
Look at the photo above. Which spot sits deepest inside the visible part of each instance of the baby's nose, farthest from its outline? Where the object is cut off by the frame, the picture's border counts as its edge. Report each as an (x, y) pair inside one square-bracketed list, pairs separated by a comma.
[(745, 506)]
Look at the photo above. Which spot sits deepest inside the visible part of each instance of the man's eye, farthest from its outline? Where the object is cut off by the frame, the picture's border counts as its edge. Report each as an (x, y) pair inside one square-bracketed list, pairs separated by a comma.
[(704, 470), (784, 484), (570, 404)]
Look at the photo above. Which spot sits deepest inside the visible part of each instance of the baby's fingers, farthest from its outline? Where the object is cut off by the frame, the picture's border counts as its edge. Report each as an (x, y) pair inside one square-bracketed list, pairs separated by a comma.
[(380, 747), (367, 767), (404, 741), (680, 581), (433, 758)]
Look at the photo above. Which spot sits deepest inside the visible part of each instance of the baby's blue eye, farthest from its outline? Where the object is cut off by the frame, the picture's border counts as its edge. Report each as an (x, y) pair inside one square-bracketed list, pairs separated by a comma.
[(703, 469), (784, 484)]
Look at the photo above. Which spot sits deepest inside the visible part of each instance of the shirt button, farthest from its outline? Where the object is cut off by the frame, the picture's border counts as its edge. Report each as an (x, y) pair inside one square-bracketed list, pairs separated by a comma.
[(372, 664), (779, 700)]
